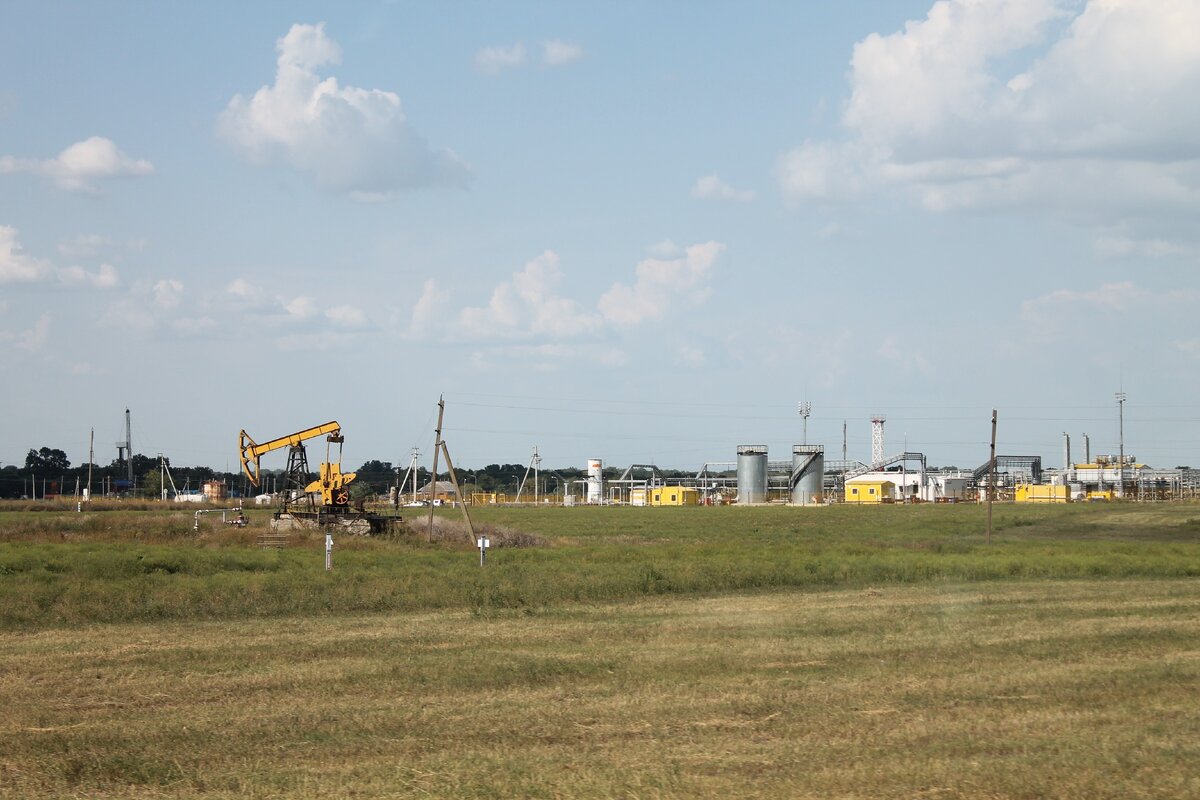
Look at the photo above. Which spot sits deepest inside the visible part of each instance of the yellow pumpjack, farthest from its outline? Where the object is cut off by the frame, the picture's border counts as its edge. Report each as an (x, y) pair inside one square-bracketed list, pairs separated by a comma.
[(331, 482)]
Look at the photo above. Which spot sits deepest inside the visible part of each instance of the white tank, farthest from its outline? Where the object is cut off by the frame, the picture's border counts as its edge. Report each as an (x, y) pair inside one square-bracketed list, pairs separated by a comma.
[(595, 481)]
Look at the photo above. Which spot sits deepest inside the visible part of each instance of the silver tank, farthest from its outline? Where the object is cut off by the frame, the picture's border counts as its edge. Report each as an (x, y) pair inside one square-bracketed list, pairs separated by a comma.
[(808, 472), (752, 473)]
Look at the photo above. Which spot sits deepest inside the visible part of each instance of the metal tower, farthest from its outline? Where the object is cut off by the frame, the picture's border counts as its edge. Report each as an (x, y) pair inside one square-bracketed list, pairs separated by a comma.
[(804, 408), (877, 438), (1121, 466)]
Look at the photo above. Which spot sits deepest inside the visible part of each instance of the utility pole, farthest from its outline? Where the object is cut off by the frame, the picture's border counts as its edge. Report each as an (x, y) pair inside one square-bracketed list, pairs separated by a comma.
[(1121, 466), (91, 458), (440, 446), (437, 448), (843, 442), (991, 479)]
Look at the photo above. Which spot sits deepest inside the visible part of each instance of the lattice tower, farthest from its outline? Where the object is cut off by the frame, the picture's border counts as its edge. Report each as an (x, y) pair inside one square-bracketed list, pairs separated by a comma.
[(877, 438)]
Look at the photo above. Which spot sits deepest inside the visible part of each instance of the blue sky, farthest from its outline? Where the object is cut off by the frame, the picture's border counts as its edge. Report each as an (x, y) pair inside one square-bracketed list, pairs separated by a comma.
[(628, 231)]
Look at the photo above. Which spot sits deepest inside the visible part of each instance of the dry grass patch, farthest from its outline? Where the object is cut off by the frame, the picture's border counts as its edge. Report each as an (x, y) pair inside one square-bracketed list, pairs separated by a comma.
[(1074, 689)]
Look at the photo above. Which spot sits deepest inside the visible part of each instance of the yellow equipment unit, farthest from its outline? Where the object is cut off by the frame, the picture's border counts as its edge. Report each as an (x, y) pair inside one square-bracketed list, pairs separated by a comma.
[(332, 483)]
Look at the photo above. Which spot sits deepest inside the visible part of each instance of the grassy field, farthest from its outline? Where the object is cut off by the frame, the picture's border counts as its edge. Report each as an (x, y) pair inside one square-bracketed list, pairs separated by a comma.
[(769, 652), (121, 566), (1078, 689)]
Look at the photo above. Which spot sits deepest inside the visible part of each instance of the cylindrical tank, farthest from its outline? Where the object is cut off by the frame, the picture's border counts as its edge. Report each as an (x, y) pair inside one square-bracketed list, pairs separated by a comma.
[(752, 473), (595, 480), (808, 473)]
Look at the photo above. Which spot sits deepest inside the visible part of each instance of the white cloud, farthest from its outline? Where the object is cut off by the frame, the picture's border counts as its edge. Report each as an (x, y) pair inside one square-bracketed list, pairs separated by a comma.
[(556, 53), (1122, 305), (692, 356), (79, 166), (546, 357), (244, 289), (350, 140), (528, 305), (1021, 104), (90, 245), (104, 278), (904, 355), (658, 283), (168, 293), (35, 338), (664, 248), (495, 59), (1189, 347), (710, 187), (347, 316), (429, 310), (1118, 246), (17, 267), (299, 307), (85, 246)]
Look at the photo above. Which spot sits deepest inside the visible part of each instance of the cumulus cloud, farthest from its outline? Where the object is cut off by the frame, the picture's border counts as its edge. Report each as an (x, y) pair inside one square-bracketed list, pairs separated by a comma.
[(1121, 246), (659, 282), (546, 357), (104, 278), (556, 53), (300, 307), (349, 140), (710, 187), (35, 338), (15, 265), (18, 267), (1016, 102), (346, 316), (168, 293), (529, 305), (1122, 303), (496, 59), (81, 165)]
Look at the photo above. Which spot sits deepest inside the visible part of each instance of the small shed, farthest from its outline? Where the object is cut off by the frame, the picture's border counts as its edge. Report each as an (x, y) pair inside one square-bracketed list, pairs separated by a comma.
[(870, 492), (1042, 493), (674, 496)]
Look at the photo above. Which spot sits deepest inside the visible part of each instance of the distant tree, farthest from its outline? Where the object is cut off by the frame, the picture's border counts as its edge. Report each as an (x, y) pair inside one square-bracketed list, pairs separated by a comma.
[(151, 483), (143, 464), (47, 459), (375, 466)]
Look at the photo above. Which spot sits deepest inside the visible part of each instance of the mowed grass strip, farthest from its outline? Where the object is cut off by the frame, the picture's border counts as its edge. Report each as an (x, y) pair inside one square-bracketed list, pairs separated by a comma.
[(1030, 690), (69, 569)]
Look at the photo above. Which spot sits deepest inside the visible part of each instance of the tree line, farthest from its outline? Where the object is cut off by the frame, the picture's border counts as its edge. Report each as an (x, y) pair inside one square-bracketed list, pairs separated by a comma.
[(47, 472)]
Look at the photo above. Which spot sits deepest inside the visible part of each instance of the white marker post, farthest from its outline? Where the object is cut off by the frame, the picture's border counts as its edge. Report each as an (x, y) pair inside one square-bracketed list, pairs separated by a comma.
[(484, 544), (328, 552)]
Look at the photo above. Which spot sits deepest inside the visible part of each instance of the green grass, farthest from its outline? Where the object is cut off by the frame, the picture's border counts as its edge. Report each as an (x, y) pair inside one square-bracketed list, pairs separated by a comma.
[(703, 652), (1009, 689), (114, 566)]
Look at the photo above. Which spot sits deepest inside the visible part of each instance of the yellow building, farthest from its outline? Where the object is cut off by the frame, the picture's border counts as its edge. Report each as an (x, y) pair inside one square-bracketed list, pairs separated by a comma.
[(674, 496), (1041, 493), (870, 492)]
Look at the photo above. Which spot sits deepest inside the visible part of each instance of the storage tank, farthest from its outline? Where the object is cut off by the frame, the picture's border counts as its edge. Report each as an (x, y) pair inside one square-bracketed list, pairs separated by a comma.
[(595, 481), (752, 473), (808, 472)]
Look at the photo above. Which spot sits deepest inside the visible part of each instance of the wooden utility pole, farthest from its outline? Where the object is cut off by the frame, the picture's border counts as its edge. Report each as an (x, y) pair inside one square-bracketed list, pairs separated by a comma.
[(991, 479), (437, 449)]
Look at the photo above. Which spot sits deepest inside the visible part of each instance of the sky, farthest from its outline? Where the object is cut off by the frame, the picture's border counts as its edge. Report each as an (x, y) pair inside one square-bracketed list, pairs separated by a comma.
[(638, 232)]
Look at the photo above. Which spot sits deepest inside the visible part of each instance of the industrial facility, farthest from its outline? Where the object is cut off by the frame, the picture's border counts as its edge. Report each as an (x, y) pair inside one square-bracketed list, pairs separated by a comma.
[(809, 479)]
